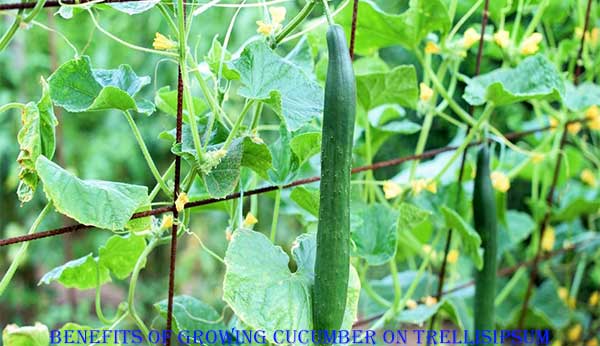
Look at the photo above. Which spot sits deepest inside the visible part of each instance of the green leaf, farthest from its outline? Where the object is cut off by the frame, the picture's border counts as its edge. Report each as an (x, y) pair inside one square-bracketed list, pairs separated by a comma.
[(583, 96), (82, 273), (262, 291), (120, 254), (256, 156), (142, 223), (411, 216), (76, 87), (36, 137), (306, 145), (98, 203), (265, 76), (166, 101), (547, 304), (224, 177), (134, 7), (302, 56), (378, 29), (186, 148), (534, 78), (190, 315), (398, 86), (516, 227), (37, 335), (470, 239), (307, 199), (285, 162), (218, 59), (375, 235)]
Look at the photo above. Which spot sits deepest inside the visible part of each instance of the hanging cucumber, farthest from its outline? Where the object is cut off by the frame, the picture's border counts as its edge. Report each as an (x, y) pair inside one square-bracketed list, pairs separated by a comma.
[(486, 223), (332, 264)]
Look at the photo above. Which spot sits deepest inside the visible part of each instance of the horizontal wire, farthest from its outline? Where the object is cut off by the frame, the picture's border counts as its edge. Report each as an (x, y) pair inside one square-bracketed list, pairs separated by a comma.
[(54, 3), (162, 210), (500, 273)]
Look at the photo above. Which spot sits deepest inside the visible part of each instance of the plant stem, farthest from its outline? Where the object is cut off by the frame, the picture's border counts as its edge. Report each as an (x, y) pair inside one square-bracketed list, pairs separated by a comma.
[(133, 282), (12, 30), (147, 157), (39, 5), (328, 12), (297, 20), (275, 215), (509, 287), (397, 286), (167, 16), (9, 106), (23, 250), (238, 124), (98, 301)]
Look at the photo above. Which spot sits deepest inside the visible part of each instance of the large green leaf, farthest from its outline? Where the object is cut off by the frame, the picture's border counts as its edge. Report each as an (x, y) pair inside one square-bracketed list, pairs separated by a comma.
[(256, 156), (77, 87), (285, 163), (36, 137), (516, 227), (378, 29), (470, 239), (375, 235), (265, 294), (305, 145), (581, 97), (547, 304), (307, 198), (82, 273), (534, 78), (120, 254), (398, 86), (223, 178), (284, 86), (217, 60), (98, 203), (166, 101), (190, 315), (134, 7), (37, 335)]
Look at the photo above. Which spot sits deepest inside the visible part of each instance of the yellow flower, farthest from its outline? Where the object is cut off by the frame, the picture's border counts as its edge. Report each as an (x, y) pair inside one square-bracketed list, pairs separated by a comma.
[(411, 304), (531, 44), (592, 112), (161, 42), (419, 185), (432, 48), (250, 220), (470, 37), (228, 234), (594, 299), (452, 256), (429, 301), (588, 177), (595, 36), (391, 189), (548, 239), (431, 187), (502, 38), (167, 222), (592, 342), (553, 123), (574, 333), (264, 28), (426, 92), (571, 303), (277, 15), (594, 124), (182, 199), (563, 293), (556, 343), (537, 158), (578, 32), (574, 128), (500, 181)]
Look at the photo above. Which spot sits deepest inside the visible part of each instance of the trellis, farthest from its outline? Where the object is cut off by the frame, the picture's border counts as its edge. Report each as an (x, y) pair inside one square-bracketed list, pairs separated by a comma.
[(514, 136)]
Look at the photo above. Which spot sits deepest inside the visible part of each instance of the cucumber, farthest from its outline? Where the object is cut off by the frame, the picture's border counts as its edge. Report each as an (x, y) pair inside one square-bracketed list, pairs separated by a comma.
[(332, 265), (486, 224)]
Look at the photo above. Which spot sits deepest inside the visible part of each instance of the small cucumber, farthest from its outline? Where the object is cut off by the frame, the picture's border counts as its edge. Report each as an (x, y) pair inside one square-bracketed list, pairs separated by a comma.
[(332, 266), (486, 223)]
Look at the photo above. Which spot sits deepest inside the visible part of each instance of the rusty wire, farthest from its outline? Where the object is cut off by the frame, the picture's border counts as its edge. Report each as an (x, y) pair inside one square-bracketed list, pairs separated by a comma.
[(378, 165)]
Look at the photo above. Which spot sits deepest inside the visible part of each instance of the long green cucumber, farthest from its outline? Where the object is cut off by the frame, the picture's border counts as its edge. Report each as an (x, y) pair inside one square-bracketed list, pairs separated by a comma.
[(332, 266), (486, 224)]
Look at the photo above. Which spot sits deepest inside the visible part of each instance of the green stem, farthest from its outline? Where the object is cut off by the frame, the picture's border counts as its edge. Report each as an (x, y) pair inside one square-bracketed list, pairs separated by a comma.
[(9, 106), (275, 215), (536, 18), (10, 33), (133, 282), (99, 312), (509, 287), (423, 136), (22, 250), (328, 12), (297, 20), (157, 187), (378, 299), (397, 286), (39, 5), (238, 124), (147, 157), (369, 189), (464, 19), (487, 112), (167, 16), (578, 276), (517, 22)]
